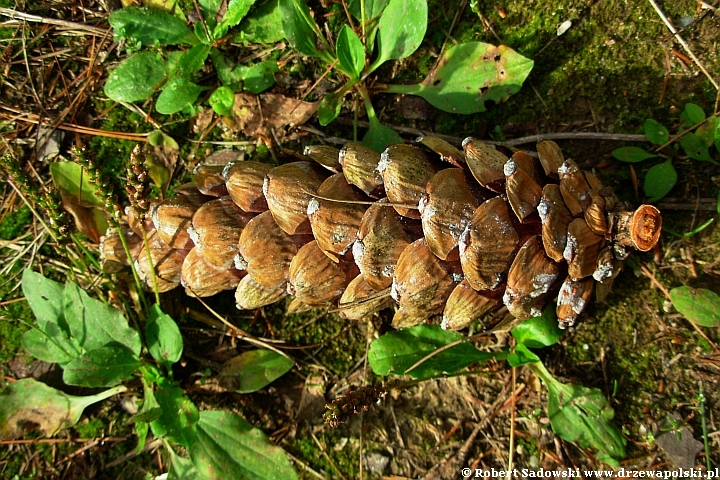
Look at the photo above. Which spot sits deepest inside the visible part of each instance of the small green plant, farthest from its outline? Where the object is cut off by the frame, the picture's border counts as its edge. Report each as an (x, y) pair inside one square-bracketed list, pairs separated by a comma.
[(699, 305), (96, 347), (150, 31), (466, 75), (577, 414), (697, 134)]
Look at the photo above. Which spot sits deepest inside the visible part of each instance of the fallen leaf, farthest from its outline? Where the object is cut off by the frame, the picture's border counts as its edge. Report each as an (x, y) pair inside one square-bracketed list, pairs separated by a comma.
[(681, 452), (256, 115)]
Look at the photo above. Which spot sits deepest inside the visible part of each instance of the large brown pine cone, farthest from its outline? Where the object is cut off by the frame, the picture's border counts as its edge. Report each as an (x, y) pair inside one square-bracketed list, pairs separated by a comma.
[(426, 226)]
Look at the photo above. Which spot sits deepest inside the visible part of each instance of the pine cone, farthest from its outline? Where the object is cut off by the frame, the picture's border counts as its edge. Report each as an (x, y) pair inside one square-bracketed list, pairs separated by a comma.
[(432, 228)]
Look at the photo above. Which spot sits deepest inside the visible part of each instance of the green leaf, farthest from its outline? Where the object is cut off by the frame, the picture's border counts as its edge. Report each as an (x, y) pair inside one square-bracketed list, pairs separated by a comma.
[(260, 76), (717, 137), (222, 100), (582, 415), (31, 404), (255, 369), (373, 8), (655, 132), (236, 11), (141, 430), (521, 356), (699, 305), (51, 345), (165, 343), (95, 324), (659, 180), (209, 10), (192, 61), (71, 180), (378, 136), (150, 26), (44, 296), (329, 108), (228, 74), (178, 416), (470, 74), (693, 114), (177, 94), (136, 78), (229, 447), (103, 367), (400, 30), (350, 52), (694, 147), (263, 25), (395, 352), (631, 154), (300, 28), (182, 468), (539, 332), (707, 130)]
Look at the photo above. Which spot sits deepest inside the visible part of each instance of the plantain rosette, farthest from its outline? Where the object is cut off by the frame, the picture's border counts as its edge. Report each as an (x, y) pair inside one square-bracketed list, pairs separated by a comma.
[(427, 227)]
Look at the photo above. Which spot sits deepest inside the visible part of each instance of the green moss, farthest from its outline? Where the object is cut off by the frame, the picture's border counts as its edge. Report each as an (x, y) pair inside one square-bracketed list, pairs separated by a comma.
[(15, 223), (92, 428), (346, 459)]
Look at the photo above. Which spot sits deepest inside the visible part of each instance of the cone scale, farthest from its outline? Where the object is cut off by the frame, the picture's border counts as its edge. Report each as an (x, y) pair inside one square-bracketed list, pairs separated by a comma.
[(430, 228)]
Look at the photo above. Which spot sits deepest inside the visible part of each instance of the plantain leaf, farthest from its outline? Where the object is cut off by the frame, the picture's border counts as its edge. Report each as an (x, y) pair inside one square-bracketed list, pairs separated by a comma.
[(631, 154), (695, 148), (229, 447), (395, 352), (699, 305), (222, 100), (539, 332), (401, 29), (300, 29), (260, 76), (329, 108), (582, 415), (136, 78), (659, 180), (255, 369), (29, 403), (468, 75), (378, 136), (656, 132), (263, 25), (350, 52), (150, 26), (178, 416), (106, 366), (177, 94), (164, 340)]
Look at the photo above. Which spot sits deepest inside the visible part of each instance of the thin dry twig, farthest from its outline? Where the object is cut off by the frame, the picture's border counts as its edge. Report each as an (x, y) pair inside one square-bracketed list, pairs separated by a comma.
[(15, 15), (682, 42)]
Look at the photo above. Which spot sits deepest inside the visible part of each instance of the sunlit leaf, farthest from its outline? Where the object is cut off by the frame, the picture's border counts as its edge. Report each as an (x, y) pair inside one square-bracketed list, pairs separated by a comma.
[(177, 94), (136, 78), (106, 366), (707, 130), (254, 369), (178, 416), (28, 403), (149, 25), (631, 154), (470, 74), (236, 11), (659, 180), (539, 332), (582, 415), (395, 352), (163, 337), (699, 305), (229, 447), (222, 100), (263, 25), (400, 30), (193, 61), (521, 356), (350, 52)]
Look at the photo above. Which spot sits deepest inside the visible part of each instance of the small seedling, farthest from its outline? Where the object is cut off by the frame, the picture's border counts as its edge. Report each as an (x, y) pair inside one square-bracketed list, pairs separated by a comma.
[(174, 72), (696, 133)]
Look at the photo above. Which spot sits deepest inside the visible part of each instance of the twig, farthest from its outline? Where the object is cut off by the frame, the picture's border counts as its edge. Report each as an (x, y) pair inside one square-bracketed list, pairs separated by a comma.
[(682, 42), (61, 440), (149, 446), (15, 15)]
